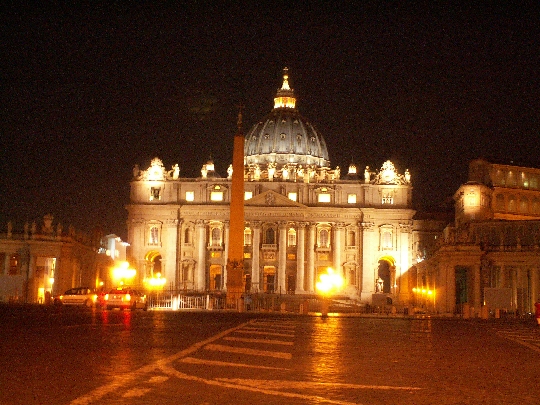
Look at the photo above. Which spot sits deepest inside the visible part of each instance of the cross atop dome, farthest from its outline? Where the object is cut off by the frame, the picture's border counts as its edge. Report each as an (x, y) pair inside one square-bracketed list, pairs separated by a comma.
[(285, 96)]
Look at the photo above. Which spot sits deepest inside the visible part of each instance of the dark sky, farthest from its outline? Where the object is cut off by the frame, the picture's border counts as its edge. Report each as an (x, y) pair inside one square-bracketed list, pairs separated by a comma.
[(89, 91)]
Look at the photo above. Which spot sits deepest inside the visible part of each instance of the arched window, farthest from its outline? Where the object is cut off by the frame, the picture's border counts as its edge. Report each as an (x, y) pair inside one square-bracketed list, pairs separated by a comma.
[(499, 202), (351, 238), (535, 207), (216, 237), (386, 240), (270, 236), (14, 265), (247, 237), (524, 205), (291, 237), (324, 240), (512, 205), (188, 236)]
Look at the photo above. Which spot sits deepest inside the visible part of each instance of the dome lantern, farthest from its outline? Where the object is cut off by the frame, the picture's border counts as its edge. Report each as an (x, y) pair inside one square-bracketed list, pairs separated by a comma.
[(285, 96)]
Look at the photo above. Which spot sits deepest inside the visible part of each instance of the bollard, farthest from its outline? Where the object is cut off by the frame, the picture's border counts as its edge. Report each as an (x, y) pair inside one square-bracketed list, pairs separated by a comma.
[(485, 312), (466, 311)]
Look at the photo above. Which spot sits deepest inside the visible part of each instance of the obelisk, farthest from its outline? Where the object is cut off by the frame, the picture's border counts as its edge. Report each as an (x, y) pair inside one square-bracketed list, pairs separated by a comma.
[(235, 261)]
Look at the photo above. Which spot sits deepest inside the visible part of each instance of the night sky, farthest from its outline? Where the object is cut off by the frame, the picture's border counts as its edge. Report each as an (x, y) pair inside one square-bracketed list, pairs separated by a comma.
[(87, 92)]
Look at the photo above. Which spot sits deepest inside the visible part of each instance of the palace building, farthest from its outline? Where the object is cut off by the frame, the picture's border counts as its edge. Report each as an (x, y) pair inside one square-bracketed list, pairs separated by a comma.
[(301, 217), (489, 257)]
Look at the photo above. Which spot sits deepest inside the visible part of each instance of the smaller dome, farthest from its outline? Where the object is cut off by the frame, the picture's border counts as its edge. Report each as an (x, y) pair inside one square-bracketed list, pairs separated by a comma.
[(352, 174), (208, 171)]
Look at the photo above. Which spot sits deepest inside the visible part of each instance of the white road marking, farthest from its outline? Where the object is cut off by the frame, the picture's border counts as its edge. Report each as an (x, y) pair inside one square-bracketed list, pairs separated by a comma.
[(266, 341), (158, 379), (315, 398), (520, 341), (136, 392), (255, 332), (245, 350), (310, 384), (193, 360), (123, 380)]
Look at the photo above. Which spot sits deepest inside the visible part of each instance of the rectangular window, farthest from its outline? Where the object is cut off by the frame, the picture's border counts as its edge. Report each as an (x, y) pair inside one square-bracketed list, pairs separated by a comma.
[(387, 199), (247, 237), (216, 196), (155, 193), (190, 196), (291, 239), (351, 198), (248, 195), (154, 236), (14, 265), (324, 198), (292, 196)]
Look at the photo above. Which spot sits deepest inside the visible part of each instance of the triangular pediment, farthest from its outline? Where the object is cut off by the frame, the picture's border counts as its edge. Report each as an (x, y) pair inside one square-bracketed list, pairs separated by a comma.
[(271, 199)]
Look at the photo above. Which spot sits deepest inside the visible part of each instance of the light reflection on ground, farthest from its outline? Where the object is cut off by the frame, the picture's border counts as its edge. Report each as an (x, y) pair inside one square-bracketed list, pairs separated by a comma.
[(326, 350)]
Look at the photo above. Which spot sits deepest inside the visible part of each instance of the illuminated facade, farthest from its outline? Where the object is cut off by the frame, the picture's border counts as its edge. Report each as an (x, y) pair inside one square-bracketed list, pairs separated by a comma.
[(301, 216), (489, 258), (44, 259)]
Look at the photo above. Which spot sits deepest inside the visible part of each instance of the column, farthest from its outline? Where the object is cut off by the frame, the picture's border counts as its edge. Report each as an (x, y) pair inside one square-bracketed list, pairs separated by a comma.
[(310, 279), (300, 249), (502, 276), (225, 254), (450, 288), (477, 299), (369, 268), (338, 248), (282, 257), (535, 276), (405, 263), (170, 245), (200, 272), (255, 258)]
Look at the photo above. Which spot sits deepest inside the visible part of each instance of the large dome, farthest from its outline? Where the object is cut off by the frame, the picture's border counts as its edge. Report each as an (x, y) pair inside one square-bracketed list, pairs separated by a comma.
[(284, 137)]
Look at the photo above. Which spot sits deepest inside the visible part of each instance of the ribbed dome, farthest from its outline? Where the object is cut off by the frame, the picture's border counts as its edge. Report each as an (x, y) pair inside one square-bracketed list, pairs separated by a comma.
[(284, 136)]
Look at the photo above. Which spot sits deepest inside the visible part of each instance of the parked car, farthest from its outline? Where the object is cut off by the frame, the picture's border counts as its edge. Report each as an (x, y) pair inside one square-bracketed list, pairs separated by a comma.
[(124, 298), (81, 296)]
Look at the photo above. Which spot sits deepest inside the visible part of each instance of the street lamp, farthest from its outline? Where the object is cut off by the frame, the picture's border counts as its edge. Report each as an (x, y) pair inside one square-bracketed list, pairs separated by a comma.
[(329, 283), (122, 273)]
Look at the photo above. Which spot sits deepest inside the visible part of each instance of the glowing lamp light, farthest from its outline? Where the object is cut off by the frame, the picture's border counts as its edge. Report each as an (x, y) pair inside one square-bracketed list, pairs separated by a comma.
[(155, 282), (329, 282), (123, 272)]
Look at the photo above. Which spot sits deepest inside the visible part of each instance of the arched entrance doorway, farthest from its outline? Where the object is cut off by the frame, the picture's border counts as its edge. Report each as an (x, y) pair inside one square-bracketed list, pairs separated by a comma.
[(153, 264), (386, 274)]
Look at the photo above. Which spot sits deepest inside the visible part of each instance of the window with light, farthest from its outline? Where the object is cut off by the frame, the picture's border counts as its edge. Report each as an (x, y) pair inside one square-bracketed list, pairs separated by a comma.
[(216, 237), (291, 237), (190, 196), (154, 236), (324, 238), (248, 195), (216, 196), (293, 196), (351, 198), (155, 193), (324, 198), (247, 237)]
